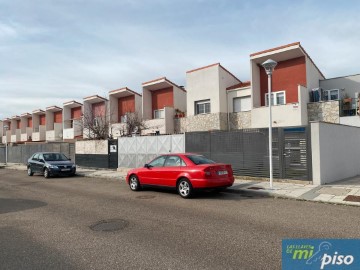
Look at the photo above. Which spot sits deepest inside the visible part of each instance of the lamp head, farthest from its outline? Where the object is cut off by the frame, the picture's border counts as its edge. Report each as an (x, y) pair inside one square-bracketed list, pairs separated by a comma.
[(269, 66)]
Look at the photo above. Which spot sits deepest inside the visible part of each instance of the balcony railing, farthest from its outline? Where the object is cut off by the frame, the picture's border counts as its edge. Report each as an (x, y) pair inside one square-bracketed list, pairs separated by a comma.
[(349, 107)]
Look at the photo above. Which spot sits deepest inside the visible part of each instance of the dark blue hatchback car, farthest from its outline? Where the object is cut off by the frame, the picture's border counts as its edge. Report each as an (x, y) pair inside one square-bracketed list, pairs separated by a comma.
[(50, 164)]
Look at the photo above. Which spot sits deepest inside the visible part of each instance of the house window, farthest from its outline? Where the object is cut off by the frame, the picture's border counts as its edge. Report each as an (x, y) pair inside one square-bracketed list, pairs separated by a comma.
[(277, 98), (159, 114), (242, 104), (332, 94), (123, 118), (202, 106)]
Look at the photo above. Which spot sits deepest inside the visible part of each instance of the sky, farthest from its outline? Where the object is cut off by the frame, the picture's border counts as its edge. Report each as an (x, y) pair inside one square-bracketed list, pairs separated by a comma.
[(53, 51)]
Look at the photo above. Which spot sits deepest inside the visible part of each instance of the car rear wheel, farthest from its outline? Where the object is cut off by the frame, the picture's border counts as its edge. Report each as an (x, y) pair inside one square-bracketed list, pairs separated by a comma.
[(46, 173), (30, 172), (134, 183), (184, 188)]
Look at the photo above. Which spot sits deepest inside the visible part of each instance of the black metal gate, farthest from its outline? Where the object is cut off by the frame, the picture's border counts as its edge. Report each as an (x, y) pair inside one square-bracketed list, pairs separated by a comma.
[(113, 154), (296, 153), (247, 150)]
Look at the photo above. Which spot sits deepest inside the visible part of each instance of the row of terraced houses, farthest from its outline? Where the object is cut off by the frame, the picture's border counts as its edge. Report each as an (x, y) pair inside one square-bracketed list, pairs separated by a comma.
[(213, 99)]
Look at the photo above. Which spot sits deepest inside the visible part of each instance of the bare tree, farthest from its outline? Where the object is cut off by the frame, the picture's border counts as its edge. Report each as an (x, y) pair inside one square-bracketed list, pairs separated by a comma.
[(133, 123), (96, 123)]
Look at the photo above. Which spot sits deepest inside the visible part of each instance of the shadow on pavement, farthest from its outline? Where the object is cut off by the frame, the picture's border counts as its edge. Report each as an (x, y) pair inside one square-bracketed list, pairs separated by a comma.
[(206, 194), (19, 251), (15, 205)]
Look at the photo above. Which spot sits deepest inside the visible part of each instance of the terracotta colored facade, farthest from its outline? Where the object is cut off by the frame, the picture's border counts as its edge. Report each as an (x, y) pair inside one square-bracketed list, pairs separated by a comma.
[(18, 124), (42, 120), (58, 117), (29, 123), (76, 113), (98, 109), (162, 98), (126, 105), (286, 77)]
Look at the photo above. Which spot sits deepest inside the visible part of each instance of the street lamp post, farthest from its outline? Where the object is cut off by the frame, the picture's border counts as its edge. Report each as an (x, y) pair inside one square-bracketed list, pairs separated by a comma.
[(6, 142), (269, 66)]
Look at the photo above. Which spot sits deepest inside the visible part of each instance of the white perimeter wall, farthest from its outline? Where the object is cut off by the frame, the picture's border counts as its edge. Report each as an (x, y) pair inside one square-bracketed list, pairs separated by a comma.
[(335, 152)]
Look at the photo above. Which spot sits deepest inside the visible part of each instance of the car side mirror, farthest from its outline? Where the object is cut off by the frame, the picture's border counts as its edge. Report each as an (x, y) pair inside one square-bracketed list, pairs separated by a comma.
[(147, 166), (42, 161)]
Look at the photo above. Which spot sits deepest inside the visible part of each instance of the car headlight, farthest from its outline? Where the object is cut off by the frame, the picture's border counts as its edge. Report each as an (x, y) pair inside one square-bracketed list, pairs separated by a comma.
[(53, 167), (73, 166)]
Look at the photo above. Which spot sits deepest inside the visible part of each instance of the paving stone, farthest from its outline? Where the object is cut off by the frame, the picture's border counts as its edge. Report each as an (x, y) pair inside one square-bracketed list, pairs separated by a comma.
[(324, 197), (333, 191)]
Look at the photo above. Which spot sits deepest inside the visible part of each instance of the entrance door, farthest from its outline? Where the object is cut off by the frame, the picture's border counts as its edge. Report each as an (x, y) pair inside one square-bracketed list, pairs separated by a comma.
[(296, 153), (113, 154)]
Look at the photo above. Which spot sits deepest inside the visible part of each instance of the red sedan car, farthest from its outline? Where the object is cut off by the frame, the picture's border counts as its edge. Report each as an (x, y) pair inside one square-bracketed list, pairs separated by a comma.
[(185, 172)]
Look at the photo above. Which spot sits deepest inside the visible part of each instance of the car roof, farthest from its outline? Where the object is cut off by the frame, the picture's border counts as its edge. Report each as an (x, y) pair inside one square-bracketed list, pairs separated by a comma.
[(180, 154)]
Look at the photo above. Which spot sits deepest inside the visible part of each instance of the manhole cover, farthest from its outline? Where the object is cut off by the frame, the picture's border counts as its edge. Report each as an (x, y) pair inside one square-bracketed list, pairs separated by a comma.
[(109, 225), (146, 197), (255, 188), (352, 198)]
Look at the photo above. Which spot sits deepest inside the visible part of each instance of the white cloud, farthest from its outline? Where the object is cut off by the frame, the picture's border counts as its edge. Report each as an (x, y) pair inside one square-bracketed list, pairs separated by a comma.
[(53, 52)]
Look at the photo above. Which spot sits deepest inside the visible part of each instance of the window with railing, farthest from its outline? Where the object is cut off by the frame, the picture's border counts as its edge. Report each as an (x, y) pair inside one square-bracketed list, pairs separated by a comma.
[(349, 107)]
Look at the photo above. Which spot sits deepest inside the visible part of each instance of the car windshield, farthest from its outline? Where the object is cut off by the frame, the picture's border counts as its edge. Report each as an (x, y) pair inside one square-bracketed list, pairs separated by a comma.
[(196, 159), (55, 157)]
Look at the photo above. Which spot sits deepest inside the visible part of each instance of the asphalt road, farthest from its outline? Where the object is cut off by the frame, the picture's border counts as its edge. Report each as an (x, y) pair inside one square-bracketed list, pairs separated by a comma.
[(45, 224)]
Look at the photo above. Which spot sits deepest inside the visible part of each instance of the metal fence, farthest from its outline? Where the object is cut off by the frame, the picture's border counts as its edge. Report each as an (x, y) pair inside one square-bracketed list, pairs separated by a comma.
[(136, 151), (21, 153), (247, 151)]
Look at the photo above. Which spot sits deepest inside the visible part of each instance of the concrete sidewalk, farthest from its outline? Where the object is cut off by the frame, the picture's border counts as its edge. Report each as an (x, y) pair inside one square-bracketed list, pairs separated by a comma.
[(344, 192)]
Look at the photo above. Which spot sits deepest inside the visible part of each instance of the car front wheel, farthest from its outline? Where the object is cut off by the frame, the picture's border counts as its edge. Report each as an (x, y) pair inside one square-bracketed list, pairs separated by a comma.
[(134, 183), (46, 173), (30, 172), (184, 188)]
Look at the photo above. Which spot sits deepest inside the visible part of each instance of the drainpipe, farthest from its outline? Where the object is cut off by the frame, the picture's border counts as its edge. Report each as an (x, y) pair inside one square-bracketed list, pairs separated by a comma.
[(227, 108)]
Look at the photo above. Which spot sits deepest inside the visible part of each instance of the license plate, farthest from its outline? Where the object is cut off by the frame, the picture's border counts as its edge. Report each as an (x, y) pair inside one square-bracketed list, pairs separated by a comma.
[(222, 172), (65, 170)]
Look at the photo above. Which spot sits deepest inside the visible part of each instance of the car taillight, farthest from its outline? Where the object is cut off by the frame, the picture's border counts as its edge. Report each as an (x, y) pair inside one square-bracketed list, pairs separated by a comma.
[(207, 172), (229, 169)]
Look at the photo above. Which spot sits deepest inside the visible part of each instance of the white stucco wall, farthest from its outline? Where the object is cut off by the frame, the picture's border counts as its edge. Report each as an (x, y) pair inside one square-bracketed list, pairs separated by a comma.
[(25, 135), (179, 99), (304, 99), (313, 76), (282, 116), (66, 117), (146, 104), (169, 120), (255, 85), (225, 80), (201, 85), (16, 137), (49, 120), (350, 84), (114, 106), (292, 114), (95, 147), (243, 92), (350, 121), (138, 105), (40, 135), (335, 152)]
